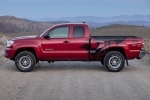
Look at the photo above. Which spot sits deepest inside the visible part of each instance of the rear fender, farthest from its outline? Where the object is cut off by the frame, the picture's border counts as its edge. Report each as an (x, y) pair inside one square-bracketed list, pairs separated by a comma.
[(124, 50)]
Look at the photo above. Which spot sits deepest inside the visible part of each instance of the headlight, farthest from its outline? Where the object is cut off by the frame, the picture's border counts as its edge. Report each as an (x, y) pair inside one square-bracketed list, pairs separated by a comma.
[(9, 43)]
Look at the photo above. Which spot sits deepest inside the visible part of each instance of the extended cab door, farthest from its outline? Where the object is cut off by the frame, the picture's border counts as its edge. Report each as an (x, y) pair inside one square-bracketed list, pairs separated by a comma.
[(79, 43), (56, 46)]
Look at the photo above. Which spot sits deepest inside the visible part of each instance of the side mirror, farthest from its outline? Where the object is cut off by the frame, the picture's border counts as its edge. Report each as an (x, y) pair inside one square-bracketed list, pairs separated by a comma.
[(47, 37)]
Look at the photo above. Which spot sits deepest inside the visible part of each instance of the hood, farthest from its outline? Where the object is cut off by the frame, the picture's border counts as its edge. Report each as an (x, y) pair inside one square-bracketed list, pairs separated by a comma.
[(24, 37)]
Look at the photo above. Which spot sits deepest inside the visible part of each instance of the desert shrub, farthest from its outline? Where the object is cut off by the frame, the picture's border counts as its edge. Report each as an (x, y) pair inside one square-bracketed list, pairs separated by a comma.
[(147, 45), (3, 39)]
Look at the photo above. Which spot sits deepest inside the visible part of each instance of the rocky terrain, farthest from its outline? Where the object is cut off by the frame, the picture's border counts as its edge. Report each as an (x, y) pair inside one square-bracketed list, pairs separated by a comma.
[(11, 24), (2, 58), (3, 40)]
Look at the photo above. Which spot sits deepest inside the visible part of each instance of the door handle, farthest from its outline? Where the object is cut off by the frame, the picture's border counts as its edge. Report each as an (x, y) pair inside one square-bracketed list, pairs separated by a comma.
[(66, 42)]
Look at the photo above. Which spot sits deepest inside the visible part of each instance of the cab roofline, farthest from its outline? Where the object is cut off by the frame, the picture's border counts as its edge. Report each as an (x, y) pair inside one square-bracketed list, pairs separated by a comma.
[(72, 24)]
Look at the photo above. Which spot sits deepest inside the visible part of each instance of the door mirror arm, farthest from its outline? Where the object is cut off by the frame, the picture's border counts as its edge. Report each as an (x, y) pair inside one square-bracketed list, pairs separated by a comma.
[(47, 37)]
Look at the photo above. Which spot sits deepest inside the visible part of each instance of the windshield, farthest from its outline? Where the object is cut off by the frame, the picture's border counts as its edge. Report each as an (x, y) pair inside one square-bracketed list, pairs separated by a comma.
[(44, 32)]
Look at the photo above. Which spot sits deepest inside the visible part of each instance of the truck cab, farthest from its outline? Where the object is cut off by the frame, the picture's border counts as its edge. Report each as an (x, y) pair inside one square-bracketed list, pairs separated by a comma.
[(66, 42)]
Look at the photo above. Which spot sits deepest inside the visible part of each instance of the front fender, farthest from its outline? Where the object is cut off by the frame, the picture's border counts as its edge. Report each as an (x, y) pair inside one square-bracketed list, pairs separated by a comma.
[(34, 46)]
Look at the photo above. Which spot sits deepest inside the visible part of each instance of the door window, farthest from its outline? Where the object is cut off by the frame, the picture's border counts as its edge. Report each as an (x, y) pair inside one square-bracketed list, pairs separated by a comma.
[(61, 32)]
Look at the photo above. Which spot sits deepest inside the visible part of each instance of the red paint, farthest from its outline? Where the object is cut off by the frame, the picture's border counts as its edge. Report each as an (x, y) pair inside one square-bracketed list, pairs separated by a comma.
[(72, 48)]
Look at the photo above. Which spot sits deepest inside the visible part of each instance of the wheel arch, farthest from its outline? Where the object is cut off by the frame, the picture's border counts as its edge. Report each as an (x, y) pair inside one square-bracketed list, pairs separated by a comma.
[(29, 49), (119, 49)]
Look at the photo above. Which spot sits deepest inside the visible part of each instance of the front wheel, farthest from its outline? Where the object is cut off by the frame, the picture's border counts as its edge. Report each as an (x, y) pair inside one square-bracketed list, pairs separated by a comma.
[(25, 61), (114, 61)]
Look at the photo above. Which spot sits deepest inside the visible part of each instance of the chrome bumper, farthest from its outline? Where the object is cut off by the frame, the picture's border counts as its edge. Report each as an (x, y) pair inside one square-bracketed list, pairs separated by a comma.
[(142, 53)]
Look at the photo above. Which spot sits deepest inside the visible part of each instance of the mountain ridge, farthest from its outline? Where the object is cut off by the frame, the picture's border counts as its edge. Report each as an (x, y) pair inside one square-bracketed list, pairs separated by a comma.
[(94, 21), (12, 24), (102, 19)]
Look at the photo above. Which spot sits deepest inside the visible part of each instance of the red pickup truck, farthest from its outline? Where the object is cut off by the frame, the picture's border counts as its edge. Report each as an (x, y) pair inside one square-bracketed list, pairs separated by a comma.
[(72, 42)]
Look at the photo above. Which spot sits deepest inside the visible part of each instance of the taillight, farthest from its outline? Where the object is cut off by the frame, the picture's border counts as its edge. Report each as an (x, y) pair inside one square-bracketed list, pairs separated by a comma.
[(141, 44)]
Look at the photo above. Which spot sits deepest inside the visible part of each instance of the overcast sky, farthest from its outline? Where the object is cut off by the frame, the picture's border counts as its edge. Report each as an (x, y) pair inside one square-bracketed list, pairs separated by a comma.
[(72, 8)]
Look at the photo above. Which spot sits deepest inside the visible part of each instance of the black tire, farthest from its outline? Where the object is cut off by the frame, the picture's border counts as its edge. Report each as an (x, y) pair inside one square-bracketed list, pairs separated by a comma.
[(114, 61), (25, 61)]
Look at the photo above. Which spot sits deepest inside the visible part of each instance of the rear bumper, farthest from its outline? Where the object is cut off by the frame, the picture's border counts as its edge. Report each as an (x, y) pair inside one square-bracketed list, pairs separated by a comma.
[(142, 53)]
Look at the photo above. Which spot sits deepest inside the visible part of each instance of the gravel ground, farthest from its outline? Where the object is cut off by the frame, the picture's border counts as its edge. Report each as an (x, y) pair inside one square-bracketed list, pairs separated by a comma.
[(2, 58), (75, 81)]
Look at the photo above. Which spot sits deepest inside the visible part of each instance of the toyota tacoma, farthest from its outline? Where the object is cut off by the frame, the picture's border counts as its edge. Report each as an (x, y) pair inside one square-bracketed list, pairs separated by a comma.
[(73, 42)]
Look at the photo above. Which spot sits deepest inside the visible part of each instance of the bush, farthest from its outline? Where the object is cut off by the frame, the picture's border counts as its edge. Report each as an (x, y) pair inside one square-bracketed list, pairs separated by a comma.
[(3, 39), (147, 45)]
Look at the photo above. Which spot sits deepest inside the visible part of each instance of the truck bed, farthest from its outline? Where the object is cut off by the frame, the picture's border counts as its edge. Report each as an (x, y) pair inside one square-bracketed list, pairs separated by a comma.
[(112, 37)]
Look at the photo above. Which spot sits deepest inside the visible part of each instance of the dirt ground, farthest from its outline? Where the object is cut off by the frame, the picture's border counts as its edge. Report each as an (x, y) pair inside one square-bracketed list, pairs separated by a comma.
[(2, 58), (75, 81)]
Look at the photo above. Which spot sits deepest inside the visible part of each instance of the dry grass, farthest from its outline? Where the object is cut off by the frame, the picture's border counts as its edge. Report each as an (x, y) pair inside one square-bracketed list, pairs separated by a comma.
[(1, 36), (3, 39), (147, 44), (122, 31), (143, 32), (2, 47), (1, 43), (2, 58)]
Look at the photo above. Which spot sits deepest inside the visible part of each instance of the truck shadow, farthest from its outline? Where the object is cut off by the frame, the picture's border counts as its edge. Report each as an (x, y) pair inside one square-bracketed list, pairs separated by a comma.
[(74, 65), (63, 66), (69, 65)]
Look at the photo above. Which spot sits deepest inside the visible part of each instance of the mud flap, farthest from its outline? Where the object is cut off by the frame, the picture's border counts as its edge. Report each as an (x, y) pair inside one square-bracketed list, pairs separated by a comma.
[(127, 62)]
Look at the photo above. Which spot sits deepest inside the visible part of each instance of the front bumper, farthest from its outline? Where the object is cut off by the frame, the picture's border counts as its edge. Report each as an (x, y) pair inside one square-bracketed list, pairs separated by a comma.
[(9, 53), (142, 53)]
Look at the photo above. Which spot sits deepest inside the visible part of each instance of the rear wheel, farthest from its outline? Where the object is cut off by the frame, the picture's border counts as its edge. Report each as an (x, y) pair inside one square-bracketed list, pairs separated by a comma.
[(114, 61), (25, 61)]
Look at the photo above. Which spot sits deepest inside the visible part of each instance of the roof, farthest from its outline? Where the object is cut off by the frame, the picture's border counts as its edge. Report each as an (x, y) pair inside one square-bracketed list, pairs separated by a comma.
[(72, 24)]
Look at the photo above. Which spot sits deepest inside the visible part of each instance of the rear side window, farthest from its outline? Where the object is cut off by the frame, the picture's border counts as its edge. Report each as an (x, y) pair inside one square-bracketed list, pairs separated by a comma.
[(78, 32)]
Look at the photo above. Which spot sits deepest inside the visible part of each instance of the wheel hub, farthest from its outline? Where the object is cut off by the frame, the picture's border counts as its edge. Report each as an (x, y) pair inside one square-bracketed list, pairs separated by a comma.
[(25, 62), (114, 62)]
